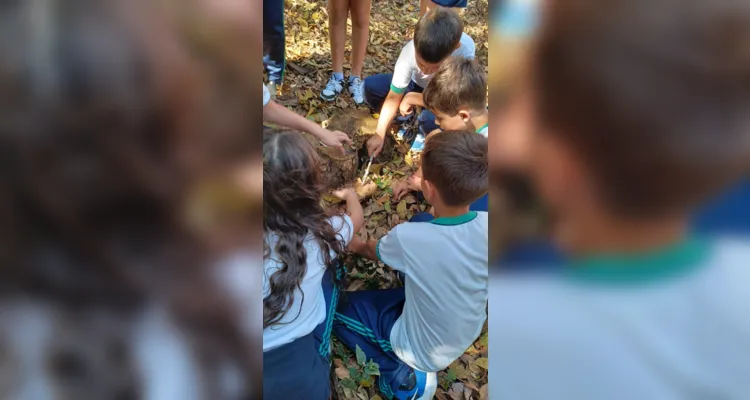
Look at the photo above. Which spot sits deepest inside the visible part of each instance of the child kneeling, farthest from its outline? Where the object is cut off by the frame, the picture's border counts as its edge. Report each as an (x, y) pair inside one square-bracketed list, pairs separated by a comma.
[(419, 329)]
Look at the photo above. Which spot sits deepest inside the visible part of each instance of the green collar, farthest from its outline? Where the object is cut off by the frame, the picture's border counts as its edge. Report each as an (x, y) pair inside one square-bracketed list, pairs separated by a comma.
[(667, 262), (482, 128), (458, 220)]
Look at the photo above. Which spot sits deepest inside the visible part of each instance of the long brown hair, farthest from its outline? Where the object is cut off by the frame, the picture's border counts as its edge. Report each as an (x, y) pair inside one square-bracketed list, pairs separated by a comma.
[(292, 212), (100, 119)]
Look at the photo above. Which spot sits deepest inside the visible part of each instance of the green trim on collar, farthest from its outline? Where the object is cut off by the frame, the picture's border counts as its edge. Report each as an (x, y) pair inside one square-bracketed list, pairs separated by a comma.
[(482, 128), (461, 219), (671, 261), (397, 90)]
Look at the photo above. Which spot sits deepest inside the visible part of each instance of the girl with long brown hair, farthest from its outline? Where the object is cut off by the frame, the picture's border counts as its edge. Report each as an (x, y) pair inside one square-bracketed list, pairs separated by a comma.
[(302, 243)]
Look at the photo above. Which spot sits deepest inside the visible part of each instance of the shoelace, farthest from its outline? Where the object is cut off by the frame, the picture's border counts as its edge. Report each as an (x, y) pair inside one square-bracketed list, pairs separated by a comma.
[(331, 86), (357, 90)]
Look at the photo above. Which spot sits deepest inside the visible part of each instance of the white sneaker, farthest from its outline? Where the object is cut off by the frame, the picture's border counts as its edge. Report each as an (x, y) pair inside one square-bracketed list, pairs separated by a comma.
[(357, 90), (333, 88)]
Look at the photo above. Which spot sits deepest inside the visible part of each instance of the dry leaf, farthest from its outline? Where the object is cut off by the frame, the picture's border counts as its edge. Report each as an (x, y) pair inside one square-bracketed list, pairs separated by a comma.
[(342, 372)]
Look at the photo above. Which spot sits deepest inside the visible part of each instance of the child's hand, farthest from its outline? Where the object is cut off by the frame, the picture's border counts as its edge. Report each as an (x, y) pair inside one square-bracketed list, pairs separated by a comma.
[(400, 189), (408, 102), (334, 138), (415, 182), (346, 193), (375, 145)]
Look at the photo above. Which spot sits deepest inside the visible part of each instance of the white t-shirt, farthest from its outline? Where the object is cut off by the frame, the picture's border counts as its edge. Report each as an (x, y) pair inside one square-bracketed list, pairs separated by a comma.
[(406, 68), (484, 131), (266, 96), (303, 316), (445, 262), (684, 336)]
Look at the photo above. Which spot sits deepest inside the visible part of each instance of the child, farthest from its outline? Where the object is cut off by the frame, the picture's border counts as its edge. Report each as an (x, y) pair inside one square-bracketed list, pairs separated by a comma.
[(277, 114), (338, 10), (426, 5), (416, 330), (641, 113), (457, 95), (110, 290), (301, 246), (438, 35)]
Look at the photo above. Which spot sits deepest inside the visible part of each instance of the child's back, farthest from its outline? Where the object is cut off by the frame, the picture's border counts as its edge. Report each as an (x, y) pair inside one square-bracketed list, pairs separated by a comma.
[(641, 115), (621, 333), (445, 262)]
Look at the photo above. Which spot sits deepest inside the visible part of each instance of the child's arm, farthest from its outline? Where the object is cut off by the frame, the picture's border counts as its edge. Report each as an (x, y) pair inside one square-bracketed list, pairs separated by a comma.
[(353, 208), (277, 114), (387, 113), (411, 100), (368, 249)]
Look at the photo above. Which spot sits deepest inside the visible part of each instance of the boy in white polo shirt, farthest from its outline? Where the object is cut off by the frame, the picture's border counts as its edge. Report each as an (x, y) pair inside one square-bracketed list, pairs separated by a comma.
[(438, 35), (415, 331), (457, 95)]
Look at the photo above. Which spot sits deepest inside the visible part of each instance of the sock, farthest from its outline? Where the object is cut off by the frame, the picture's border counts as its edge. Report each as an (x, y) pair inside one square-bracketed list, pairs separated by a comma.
[(351, 78), (339, 76)]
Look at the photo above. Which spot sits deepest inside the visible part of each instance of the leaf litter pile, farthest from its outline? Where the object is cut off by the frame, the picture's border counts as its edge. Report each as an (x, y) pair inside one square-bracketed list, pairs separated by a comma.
[(308, 68)]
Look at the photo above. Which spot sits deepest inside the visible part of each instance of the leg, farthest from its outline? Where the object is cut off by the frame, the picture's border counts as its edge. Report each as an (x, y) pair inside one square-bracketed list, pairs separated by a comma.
[(322, 332), (482, 204), (360, 34), (274, 40), (365, 319), (376, 90), (338, 11), (422, 217), (296, 371), (427, 122)]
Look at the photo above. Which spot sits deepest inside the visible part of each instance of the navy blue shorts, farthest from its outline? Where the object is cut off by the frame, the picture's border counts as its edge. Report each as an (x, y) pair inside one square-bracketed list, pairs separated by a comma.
[(365, 319), (451, 3), (301, 369)]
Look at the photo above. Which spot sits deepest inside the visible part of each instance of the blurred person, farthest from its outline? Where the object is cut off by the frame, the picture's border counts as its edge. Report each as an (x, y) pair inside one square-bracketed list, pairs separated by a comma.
[(275, 113), (457, 95), (338, 12), (302, 245), (112, 115), (640, 116), (274, 44), (438, 35), (414, 331)]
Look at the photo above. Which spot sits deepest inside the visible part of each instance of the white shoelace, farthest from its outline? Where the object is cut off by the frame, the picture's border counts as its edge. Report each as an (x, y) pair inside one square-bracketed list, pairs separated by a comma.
[(333, 86), (356, 88)]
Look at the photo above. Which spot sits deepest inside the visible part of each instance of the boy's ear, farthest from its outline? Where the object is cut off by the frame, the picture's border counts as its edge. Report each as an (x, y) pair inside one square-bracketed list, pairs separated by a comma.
[(465, 115)]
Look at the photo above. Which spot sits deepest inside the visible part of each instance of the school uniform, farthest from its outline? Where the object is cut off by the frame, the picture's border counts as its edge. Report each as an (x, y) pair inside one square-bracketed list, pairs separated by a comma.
[(407, 77), (481, 204), (671, 324), (274, 40), (440, 311), (296, 351)]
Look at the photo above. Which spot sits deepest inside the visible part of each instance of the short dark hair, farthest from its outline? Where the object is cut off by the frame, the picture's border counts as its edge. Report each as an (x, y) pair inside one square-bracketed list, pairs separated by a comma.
[(460, 82), (456, 163), (437, 34), (656, 109)]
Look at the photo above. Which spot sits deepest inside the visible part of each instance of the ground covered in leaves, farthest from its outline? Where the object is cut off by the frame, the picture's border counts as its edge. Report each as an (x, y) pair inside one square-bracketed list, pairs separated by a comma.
[(309, 66)]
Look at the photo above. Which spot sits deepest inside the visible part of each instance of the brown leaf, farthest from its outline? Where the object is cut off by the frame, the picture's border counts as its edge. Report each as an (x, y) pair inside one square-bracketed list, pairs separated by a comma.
[(401, 209), (483, 362), (342, 372)]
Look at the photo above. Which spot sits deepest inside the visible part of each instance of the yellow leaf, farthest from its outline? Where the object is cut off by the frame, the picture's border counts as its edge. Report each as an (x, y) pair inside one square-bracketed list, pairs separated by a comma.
[(401, 209), (316, 15), (376, 397), (483, 362), (302, 22), (409, 160), (387, 207)]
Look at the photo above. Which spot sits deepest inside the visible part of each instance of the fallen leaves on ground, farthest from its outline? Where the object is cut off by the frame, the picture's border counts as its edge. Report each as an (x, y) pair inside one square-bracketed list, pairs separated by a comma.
[(309, 66)]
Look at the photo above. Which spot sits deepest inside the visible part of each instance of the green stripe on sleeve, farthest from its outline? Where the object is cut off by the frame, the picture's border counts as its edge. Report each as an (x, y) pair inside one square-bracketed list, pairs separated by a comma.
[(397, 90)]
